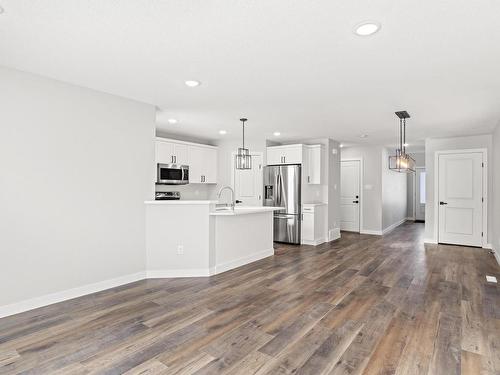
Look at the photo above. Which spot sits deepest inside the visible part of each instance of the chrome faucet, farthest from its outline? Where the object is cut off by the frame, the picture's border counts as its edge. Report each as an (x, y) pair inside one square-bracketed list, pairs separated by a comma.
[(233, 203)]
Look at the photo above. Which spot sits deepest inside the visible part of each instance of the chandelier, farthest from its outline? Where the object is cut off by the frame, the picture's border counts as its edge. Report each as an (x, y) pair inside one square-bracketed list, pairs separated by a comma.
[(402, 162), (243, 158)]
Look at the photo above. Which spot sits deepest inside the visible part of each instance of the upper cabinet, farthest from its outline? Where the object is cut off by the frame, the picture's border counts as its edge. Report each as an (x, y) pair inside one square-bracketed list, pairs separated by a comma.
[(168, 152), (201, 159), (202, 164), (309, 156), (314, 164), (289, 154)]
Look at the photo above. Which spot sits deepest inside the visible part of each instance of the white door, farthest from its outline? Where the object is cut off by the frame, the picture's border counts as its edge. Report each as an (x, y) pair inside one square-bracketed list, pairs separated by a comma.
[(420, 194), (349, 195), (248, 185), (460, 198)]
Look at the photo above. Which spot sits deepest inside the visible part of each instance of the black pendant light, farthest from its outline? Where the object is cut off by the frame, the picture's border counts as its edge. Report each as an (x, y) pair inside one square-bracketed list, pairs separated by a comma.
[(402, 162), (243, 158)]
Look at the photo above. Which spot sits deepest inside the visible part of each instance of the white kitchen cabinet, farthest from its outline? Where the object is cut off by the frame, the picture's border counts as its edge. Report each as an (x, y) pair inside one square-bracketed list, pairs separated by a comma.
[(313, 223), (313, 167), (288, 154), (167, 152), (202, 164)]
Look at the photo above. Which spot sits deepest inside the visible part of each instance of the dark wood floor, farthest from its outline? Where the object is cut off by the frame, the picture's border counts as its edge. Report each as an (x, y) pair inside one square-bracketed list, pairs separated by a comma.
[(359, 305)]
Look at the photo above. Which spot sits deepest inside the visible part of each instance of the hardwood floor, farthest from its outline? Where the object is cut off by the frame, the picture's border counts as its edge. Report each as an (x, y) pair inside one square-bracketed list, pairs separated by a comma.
[(359, 305)]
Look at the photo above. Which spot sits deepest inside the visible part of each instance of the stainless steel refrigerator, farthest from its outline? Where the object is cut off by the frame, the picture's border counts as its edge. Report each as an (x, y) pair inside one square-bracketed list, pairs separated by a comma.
[(282, 188)]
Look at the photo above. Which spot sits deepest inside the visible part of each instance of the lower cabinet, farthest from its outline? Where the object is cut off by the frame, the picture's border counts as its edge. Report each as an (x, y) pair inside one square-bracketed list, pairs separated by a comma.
[(313, 223)]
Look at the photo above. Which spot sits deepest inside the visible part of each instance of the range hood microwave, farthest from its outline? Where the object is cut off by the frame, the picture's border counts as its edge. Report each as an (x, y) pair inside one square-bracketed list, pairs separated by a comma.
[(172, 174)]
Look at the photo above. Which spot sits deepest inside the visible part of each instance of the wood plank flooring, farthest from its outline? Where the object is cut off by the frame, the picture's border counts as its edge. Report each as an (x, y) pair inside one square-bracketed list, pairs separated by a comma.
[(359, 305)]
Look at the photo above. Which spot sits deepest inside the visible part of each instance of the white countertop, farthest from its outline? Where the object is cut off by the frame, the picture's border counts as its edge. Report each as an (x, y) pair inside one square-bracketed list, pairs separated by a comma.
[(176, 202), (242, 210)]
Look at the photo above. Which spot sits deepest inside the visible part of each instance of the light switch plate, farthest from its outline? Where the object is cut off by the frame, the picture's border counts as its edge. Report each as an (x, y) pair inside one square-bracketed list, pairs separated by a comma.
[(491, 279)]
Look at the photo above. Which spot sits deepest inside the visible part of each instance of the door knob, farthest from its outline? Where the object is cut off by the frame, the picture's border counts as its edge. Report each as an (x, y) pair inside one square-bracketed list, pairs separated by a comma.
[(442, 203), (355, 201)]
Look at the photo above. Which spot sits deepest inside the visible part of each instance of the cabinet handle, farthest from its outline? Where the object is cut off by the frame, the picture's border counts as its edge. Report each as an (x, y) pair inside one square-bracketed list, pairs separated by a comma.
[(172, 159), (175, 159), (284, 159)]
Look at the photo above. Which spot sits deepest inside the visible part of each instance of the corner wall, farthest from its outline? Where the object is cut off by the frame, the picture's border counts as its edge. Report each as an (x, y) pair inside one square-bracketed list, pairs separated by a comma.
[(394, 202), (495, 235), (76, 166)]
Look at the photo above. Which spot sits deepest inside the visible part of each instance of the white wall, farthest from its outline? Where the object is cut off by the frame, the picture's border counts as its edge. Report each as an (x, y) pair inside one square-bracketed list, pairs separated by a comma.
[(495, 166), (393, 194), (458, 143), (372, 184), (76, 166)]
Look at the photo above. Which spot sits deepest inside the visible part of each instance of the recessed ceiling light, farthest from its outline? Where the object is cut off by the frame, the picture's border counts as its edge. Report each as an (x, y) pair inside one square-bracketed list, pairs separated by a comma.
[(172, 121), (341, 145), (276, 134), (192, 83), (367, 28), (363, 136), (406, 144), (222, 132)]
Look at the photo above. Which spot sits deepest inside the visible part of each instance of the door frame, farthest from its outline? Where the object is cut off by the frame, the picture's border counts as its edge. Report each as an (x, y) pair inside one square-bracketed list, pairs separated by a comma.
[(484, 151), (233, 176), (361, 195)]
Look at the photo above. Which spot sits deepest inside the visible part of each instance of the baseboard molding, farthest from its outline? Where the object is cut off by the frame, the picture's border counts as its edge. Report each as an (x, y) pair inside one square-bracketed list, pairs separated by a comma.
[(393, 226), (497, 256), (410, 218), (49, 299), (223, 267), (314, 243), (488, 246), (430, 240), (176, 273), (372, 232)]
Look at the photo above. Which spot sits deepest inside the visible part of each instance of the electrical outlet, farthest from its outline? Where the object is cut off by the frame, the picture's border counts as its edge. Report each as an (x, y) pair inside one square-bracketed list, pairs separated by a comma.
[(180, 249)]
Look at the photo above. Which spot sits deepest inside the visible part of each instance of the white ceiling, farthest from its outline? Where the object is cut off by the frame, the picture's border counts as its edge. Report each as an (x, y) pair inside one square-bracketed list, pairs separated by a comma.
[(288, 65)]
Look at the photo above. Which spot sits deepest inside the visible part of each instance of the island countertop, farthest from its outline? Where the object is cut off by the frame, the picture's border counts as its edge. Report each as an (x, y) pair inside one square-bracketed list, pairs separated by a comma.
[(245, 210)]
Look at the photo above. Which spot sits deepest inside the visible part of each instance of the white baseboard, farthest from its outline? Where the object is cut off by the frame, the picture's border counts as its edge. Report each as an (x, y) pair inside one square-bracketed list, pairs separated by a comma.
[(393, 226), (167, 274), (372, 232), (430, 240), (314, 243), (488, 246), (49, 299), (333, 234), (410, 218), (497, 256), (223, 267)]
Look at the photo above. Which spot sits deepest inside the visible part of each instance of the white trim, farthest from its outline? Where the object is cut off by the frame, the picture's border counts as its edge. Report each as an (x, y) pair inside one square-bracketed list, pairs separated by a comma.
[(390, 228), (361, 187), (223, 267), (372, 232), (409, 218), (497, 256), (189, 272), (415, 191), (65, 295), (430, 240), (488, 246), (171, 140), (484, 151), (314, 243)]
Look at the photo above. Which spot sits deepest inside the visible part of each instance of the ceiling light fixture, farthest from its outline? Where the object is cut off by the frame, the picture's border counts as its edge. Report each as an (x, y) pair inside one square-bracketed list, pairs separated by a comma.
[(276, 134), (341, 145), (363, 136), (367, 28), (192, 83), (402, 162), (172, 121), (222, 132), (243, 158)]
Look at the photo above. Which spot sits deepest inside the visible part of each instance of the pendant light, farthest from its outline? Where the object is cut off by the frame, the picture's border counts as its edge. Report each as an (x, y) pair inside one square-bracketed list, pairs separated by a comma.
[(243, 158), (402, 162)]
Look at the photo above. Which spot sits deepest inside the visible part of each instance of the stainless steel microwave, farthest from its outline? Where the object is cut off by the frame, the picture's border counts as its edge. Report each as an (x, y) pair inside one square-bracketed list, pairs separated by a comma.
[(172, 174)]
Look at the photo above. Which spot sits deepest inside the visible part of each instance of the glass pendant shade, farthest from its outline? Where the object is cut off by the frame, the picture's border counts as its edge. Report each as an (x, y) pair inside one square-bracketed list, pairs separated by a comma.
[(243, 158), (402, 162)]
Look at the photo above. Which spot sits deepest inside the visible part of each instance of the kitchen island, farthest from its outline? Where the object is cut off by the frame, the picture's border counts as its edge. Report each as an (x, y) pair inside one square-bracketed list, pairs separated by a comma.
[(192, 238)]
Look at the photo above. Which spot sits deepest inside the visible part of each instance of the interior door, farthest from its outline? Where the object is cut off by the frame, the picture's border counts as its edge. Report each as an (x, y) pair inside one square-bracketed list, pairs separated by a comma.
[(420, 194), (460, 198), (248, 183), (350, 178)]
